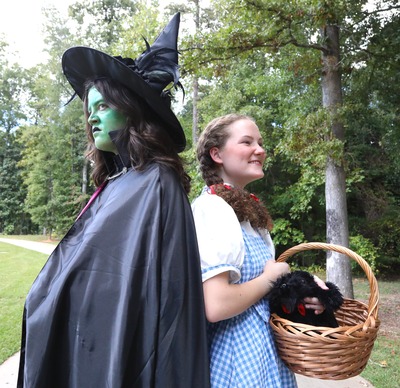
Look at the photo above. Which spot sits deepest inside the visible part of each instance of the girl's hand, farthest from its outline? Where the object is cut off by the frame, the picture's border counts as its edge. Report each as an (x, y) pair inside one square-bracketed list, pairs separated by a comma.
[(320, 282), (314, 303), (273, 270)]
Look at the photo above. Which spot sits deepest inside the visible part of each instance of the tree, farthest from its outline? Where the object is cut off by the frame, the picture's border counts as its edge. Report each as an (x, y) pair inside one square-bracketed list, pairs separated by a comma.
[(373, 133), (13, 219), (12, 193), (197, 18), (101, 21), (54, 169), (337, 232), (290, 34), (52, 147)]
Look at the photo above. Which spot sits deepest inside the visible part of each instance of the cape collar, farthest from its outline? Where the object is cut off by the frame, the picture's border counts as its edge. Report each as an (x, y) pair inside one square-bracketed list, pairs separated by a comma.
[(117, 164)]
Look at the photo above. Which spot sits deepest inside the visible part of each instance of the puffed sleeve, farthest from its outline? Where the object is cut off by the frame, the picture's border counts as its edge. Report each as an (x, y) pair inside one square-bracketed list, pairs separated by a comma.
[(219, 237)]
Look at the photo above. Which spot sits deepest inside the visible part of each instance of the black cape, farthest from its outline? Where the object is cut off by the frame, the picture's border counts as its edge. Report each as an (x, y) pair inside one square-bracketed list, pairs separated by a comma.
[(119, 303)]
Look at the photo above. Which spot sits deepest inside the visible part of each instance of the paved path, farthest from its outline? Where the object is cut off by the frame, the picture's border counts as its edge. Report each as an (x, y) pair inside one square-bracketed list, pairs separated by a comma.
[(9, 372), (33, 245), (9, 369)]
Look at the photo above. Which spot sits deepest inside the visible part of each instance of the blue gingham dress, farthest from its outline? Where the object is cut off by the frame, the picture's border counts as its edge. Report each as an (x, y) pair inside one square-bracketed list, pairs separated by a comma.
[(242, 349)]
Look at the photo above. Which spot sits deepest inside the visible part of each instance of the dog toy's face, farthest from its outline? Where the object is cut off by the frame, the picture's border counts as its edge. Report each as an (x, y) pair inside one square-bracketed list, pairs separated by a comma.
[(293, 289)]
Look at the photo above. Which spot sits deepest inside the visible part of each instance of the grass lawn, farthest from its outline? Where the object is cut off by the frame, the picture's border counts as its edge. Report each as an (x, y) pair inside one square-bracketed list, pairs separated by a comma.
[(383, 368), (19, 267)]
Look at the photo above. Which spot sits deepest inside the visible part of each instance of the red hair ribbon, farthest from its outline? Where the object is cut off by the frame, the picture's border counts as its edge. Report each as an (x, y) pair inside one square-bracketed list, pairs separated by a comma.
[(212, 187), (254, 197)]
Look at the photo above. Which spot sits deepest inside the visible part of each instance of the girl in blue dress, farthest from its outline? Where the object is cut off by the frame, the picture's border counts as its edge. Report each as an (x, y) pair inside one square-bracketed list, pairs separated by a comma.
[(237, 258)]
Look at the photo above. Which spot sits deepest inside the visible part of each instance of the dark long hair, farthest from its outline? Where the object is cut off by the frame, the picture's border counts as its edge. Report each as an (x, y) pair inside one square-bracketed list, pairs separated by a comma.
[(145, 138), (246, 207)]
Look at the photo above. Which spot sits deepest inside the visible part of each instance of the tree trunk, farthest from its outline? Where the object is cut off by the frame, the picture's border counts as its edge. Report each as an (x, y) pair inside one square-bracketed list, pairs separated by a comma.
[(338, 265), (85, 169), (195, 123)]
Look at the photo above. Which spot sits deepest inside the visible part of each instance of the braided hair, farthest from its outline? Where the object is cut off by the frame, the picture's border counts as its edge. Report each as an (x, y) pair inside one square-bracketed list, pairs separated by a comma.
[(244, 204)]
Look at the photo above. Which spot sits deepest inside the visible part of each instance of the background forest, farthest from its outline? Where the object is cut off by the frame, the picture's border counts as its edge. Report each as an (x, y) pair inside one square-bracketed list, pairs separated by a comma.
[(267, 59)]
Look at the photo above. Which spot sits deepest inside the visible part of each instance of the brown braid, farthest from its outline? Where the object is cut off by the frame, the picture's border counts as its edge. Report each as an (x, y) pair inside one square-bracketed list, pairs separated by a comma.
[(245, 207)]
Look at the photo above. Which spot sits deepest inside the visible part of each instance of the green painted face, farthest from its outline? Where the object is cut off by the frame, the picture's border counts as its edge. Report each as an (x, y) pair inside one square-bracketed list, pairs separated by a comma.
[(103, 120)]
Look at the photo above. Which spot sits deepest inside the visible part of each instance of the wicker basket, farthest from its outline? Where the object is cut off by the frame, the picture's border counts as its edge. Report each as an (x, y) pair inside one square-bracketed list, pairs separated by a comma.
[(324, 352)]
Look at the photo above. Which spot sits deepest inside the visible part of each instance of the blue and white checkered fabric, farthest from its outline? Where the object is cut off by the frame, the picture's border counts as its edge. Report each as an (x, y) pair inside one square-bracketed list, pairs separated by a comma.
[(242, 349)]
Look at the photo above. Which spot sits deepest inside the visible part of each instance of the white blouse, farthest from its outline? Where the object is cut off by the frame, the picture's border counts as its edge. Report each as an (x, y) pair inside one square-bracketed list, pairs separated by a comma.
[(220, 239)]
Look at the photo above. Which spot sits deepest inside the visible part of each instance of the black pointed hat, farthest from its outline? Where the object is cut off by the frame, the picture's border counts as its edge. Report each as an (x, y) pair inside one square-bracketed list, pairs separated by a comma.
[(147, 76)]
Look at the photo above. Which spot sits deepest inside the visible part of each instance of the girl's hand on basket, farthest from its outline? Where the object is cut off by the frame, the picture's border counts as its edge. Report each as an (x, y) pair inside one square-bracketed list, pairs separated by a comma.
[(273, 270), (314, 303)]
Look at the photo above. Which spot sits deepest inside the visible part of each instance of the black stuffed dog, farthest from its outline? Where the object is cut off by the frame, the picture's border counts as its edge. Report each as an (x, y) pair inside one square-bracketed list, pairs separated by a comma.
[(287, 294)]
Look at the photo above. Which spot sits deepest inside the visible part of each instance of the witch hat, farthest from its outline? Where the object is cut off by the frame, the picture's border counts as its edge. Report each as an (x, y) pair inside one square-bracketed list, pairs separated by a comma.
[(147, 76)]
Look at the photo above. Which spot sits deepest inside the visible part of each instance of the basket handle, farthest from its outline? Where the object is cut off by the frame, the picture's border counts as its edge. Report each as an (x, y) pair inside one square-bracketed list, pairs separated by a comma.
[(374, 292)]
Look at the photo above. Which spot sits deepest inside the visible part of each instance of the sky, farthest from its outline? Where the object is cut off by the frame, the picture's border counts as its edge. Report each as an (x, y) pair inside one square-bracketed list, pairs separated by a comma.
[(21, 23)]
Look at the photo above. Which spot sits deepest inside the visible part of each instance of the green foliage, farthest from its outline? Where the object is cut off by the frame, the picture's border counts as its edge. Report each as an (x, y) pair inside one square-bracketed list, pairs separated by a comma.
[(192, 168), (284, 234), (261, 58), (366, 249), (307, 140), (41, 140), (315, 269), (54, 140), (302, 192), (12, 192), (99, 22), (385, 234), (52, 172), (141, 25)]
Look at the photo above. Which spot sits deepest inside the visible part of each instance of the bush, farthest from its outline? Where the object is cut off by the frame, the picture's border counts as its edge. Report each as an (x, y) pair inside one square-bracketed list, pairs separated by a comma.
[(284, 234), (385, 235), (366, 249)]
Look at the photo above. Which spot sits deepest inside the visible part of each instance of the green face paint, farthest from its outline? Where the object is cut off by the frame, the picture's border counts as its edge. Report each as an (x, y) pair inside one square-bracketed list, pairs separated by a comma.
[(103, 120)]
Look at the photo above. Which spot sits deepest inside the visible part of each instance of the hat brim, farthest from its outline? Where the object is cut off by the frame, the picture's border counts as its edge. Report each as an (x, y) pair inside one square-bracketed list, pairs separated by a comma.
[(81, 64)]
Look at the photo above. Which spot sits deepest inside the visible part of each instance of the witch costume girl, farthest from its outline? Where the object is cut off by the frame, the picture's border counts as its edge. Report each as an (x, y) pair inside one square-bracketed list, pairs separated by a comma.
[(119, 302)]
